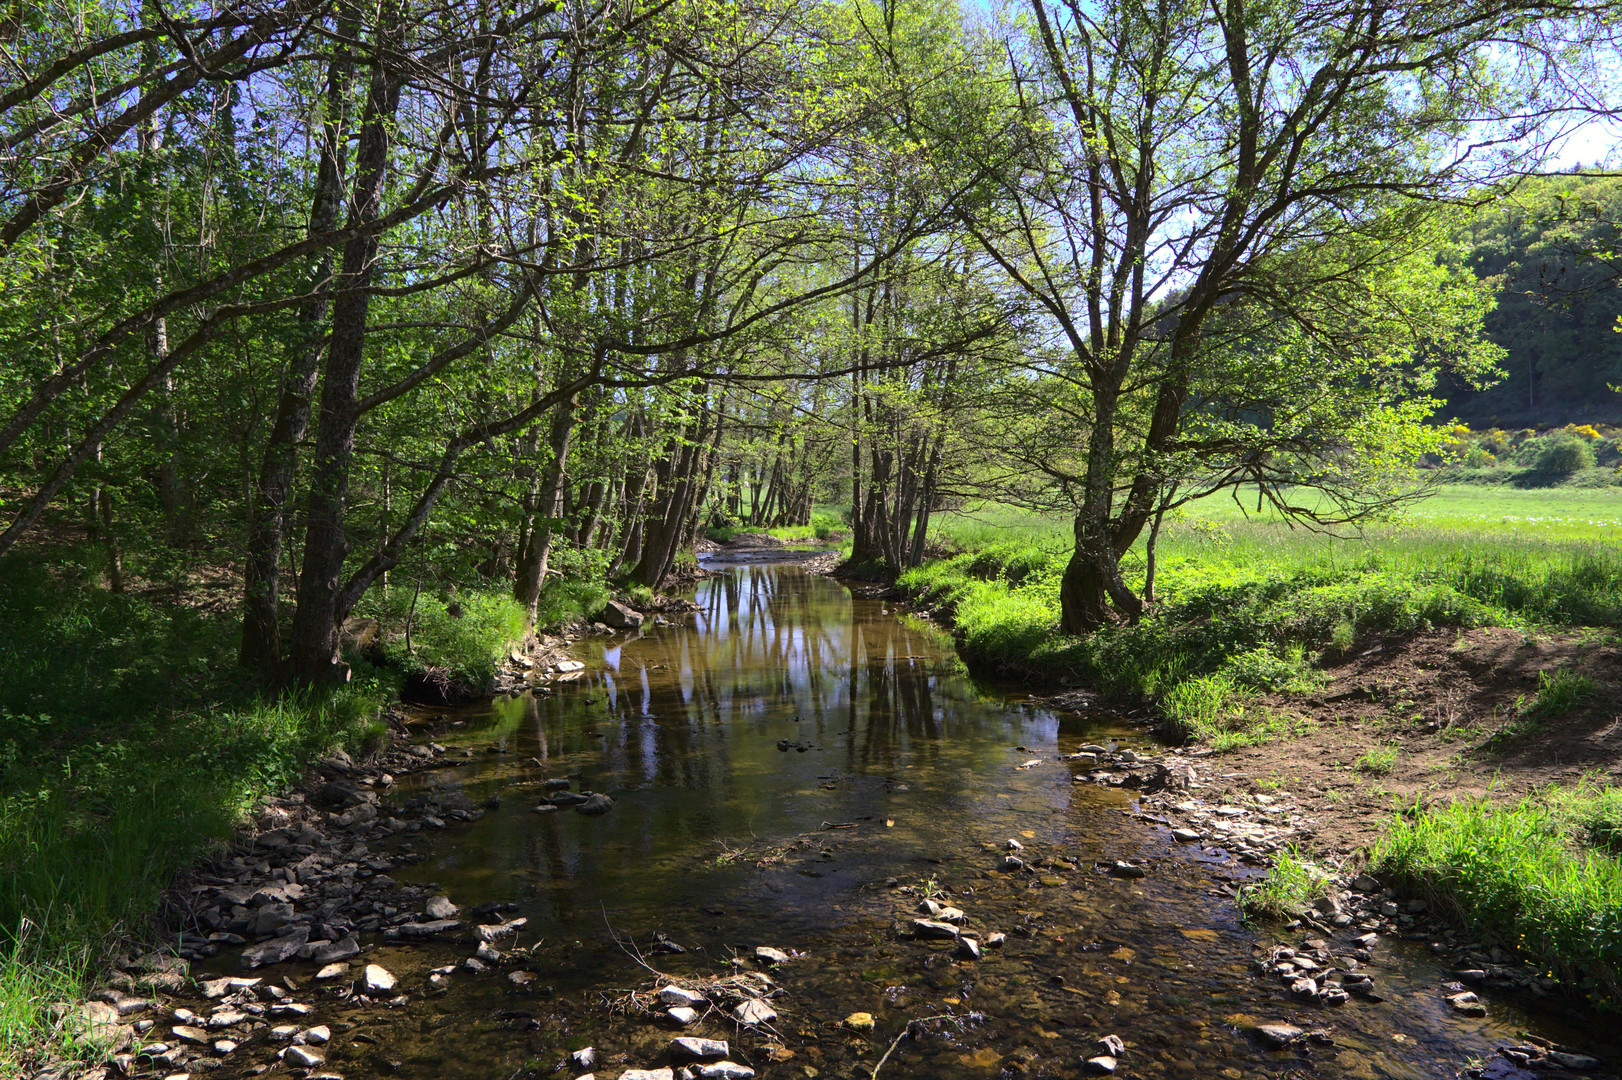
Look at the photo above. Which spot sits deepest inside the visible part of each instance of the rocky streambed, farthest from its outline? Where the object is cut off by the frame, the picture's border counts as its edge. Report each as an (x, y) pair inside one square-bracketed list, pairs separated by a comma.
[(782, 835)]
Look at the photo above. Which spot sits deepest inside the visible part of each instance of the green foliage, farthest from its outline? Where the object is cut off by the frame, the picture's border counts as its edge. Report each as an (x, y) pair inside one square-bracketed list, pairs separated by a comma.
[(113, 778), (1377, 761), (468, 645), (1593, 810), (1521, 873), (1558, 455), (1290, 886), (1559, 693)]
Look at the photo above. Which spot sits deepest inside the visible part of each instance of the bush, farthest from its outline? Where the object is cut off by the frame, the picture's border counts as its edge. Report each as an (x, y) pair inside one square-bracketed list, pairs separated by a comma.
[(1558, 455)]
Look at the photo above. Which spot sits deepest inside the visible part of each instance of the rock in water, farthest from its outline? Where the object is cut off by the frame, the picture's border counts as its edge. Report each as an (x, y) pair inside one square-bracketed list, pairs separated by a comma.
[(377, 980), (585, 1058), (968, 948), (768, 955), (673, 995), (620, 617), (440, 907), (682, 1015), (1112, 1046), (754, 1011), (859, 1021), (336, 950), (596, 805), (647, 1074), (928, 928), (725, 1070), (689, 1049), (276, 950), (1102, 1065), (1277, 1036), (302, 1057)]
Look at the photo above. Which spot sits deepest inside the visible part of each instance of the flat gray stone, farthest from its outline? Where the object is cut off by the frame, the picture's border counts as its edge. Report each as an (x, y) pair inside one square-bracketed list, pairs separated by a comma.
[(691, 1049), (377, 980)]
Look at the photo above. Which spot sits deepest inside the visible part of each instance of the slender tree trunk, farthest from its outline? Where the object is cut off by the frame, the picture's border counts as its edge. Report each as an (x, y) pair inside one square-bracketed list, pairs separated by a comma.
[(531, 574), (314, 646), (267, 509)]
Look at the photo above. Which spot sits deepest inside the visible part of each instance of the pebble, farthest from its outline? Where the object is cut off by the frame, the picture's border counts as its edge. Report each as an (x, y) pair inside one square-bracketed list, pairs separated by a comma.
[(682, 1015), (377, 980), (585, 1058), (768, 955), (188, 1034), (754, 1011), (1102, 1065), (690, 1049), (859, 1021), (1126, 870), (968, 949), (678, 995), (1277, 1036), (331, 971), (1186, 836), (440, 907), (646, 1074), (318, 1036), (995, 941), (1112, 1045), (1468, 1004)]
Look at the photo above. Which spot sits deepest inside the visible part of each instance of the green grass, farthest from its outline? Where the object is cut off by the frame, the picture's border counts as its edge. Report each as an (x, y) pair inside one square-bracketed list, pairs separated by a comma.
[(1255, 603), (130, 743), (1559, 693), (1524, 873), (1290, 886), (1377, 761)]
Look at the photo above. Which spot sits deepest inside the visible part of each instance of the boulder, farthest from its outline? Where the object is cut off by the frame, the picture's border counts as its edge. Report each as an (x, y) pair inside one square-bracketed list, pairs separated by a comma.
[(620, 617), (595, 805)]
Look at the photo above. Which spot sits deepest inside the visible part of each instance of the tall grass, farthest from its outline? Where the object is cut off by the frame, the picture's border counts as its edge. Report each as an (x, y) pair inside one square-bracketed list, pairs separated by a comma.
[(1522, 873), (129, 743)]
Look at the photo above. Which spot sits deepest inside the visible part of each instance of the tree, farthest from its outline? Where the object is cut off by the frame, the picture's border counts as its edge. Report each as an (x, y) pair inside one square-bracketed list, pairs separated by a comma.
[(1166, 171)]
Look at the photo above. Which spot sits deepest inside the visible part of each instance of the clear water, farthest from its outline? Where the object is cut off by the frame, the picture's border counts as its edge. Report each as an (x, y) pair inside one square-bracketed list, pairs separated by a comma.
[(720, 841)]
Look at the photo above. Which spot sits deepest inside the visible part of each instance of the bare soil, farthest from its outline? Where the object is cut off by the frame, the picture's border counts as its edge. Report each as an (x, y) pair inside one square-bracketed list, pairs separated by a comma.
[(1436, 700)]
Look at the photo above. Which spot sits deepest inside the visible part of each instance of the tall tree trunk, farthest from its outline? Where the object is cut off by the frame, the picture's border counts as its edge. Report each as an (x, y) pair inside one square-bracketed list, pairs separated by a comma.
[(531, 573), (314, 646), (261, 644)]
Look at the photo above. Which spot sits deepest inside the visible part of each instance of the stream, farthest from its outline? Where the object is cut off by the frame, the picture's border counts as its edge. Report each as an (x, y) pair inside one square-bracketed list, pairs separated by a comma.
[(798, 768)]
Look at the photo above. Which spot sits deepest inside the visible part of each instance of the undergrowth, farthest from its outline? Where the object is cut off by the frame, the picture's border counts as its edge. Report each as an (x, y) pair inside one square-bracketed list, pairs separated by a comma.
[(1525, 873), (1290, 886)]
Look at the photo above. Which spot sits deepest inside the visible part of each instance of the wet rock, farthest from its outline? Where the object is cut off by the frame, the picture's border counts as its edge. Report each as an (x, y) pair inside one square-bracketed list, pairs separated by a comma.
[(345, 949), (585, 1058), (521, 978), (497, 931), (296, 1009), (567, 798), (1012, 863), (1186, 836), (1467, 1004), (223, 1046), (440, 907), (619, 617), (682, 1015), (302, 1057), (861, 1022), (186, 1033), (277, 949), (646, 1074), (1112, 1045), (317, 1036), (566, 666), (377, 980), (596, 805), (227, 1018), (1126, 870), (691, 1049), (427, 929), (724, 1070), (754, 1011), (1575, 1062), (487, 953), (1015, 845), (929, 928), (768, 955), (555, 783), (673, 995), (967, 949), (331, 971), (1102, 1065), (1365, 884), (995, 941), (1277, 1036)]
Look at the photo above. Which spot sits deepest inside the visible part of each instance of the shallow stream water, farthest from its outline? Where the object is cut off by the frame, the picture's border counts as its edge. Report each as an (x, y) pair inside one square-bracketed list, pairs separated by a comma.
[(909, 782)]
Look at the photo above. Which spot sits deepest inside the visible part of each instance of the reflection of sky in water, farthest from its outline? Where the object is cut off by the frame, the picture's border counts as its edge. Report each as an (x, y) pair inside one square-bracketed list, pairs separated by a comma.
[(682, 729)]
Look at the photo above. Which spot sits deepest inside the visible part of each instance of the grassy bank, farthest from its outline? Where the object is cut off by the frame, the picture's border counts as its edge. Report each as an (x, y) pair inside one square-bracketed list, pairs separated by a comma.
[(130, 743), (1247, 607), (1251, 613), (1541, 874)]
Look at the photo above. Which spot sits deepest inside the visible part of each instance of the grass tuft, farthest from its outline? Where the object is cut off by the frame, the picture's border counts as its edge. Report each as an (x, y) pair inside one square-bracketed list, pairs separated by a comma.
[(1290, 886)]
